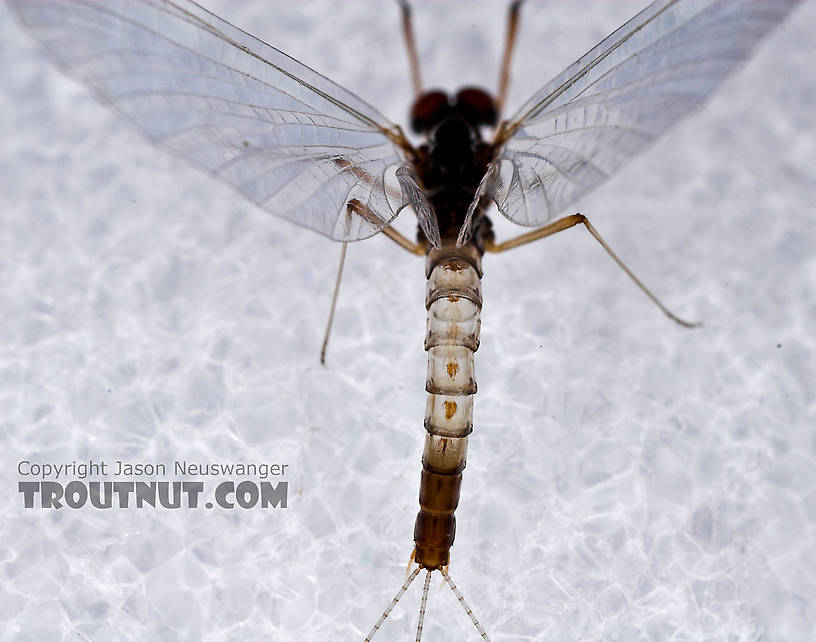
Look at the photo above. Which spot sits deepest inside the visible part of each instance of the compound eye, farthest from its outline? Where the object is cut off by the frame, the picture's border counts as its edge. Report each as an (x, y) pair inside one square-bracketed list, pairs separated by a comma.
[(428, 110), (477, 106)]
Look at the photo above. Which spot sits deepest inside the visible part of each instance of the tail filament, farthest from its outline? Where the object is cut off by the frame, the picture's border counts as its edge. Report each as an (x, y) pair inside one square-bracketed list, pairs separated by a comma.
[(464, 604), (422, 605), (391, 606)]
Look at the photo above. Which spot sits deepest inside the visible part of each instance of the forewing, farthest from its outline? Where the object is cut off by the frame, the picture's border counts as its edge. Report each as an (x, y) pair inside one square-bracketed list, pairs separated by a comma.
[(284, 136), (602, 110)]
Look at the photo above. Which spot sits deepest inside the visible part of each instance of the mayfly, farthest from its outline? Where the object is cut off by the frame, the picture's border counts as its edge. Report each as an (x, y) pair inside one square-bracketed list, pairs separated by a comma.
[(305, 149)]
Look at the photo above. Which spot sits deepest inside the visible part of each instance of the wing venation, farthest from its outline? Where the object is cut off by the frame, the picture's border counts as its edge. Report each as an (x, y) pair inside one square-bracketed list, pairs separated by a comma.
[(584, 125), (284, 136)]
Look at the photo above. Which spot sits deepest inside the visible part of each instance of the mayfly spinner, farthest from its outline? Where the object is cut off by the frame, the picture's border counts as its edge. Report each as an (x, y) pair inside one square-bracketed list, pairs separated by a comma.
[(305, 149)]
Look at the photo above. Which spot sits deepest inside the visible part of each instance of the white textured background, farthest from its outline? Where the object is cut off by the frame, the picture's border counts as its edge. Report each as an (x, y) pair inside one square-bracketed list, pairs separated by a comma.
[(627, 479)]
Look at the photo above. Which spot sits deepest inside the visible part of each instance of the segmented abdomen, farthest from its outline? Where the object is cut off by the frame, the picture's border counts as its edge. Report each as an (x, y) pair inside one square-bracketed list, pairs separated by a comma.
[(453, 301)]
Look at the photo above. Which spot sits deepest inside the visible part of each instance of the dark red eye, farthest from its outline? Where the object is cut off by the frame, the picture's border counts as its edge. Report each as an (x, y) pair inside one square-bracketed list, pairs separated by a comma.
[(428, 110), (477, 106)]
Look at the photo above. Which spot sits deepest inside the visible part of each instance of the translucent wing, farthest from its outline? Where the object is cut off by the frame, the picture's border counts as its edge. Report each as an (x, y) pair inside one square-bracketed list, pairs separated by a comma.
[(284, 136), (606, 107)]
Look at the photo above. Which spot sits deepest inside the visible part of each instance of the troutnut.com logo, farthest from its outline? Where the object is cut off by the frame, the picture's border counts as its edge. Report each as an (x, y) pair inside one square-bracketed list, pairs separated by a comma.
[(141, 485)]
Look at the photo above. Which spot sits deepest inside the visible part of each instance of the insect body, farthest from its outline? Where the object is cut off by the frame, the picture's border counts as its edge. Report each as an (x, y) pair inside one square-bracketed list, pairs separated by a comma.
[(453, 164), (305, 149)]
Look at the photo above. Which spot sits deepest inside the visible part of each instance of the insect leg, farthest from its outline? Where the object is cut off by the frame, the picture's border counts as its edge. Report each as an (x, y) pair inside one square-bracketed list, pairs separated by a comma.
[(399, 239), (333, 305), (414, 248), (410, 46), (357, 207), (509, 43), (564, 224)]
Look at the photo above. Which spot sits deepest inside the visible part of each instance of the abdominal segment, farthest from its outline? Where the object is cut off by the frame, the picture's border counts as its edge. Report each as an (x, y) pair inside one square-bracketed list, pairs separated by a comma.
[(453, 302)]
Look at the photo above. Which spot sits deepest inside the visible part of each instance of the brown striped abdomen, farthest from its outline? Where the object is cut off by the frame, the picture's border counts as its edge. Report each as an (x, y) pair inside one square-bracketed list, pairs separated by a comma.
[(453, 301)]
